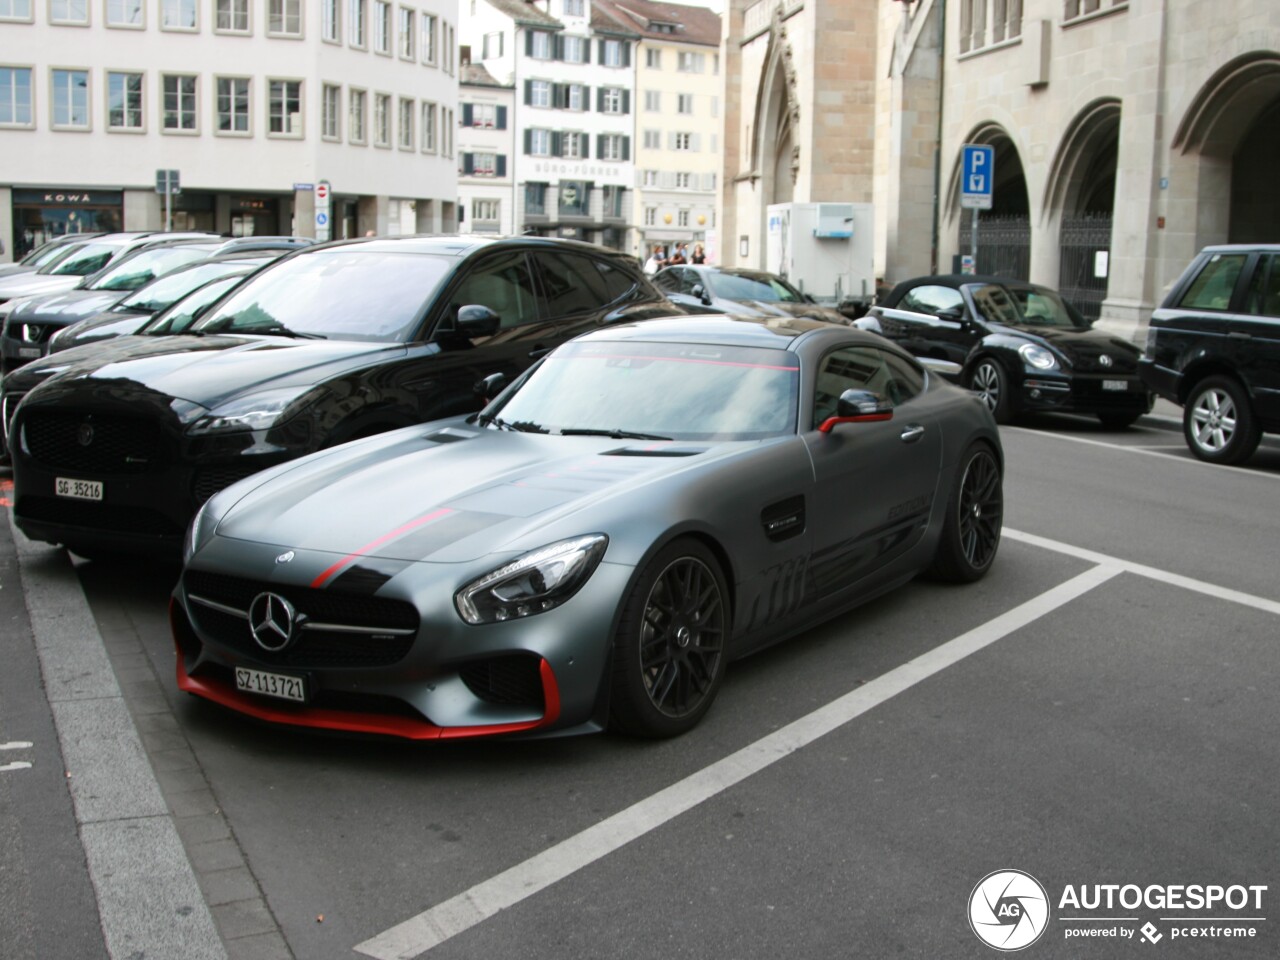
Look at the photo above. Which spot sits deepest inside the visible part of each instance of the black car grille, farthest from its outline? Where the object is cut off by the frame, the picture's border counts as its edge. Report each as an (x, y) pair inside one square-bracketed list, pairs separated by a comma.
[(91, 443), (210, 480), (311, 648), (97, 516), (1087, 358), (510, 680)]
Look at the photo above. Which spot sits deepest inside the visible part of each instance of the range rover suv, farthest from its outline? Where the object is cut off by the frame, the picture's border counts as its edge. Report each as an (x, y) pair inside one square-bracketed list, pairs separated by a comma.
[(1214, 348)]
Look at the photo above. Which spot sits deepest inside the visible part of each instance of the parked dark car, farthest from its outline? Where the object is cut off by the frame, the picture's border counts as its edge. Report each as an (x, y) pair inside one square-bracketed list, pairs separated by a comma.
[(1022, 347), (741, 292), (332, 343), (32, 321), (651, 502), (1214, 347)]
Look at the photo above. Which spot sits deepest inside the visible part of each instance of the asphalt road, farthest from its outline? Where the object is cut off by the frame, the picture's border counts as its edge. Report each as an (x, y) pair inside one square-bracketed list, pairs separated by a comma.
[(1099, 710)]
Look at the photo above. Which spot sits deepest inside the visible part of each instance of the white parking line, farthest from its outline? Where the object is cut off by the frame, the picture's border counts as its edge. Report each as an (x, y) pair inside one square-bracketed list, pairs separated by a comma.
[(1147, 451), (16, 764), (419, 934)]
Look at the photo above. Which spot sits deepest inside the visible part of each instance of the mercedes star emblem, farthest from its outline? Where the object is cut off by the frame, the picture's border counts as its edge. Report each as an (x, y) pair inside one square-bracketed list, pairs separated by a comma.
[(84, 436), (271, 619)]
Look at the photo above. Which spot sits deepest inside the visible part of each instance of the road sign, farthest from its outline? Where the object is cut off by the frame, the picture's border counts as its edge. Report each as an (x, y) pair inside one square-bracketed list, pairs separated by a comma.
[(967, 265), (322, 210), (322, 193), (322, 219), (977, 169), (167, 182)]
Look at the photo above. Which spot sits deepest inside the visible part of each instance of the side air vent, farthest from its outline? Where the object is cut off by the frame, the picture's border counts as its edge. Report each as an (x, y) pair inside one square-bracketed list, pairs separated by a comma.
[(784, 519), (446, 436), (655, 452)]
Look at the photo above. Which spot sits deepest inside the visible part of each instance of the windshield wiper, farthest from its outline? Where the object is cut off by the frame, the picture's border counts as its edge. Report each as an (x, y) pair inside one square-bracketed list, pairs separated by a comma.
[(612, 434), (280, 330), (520, 426)]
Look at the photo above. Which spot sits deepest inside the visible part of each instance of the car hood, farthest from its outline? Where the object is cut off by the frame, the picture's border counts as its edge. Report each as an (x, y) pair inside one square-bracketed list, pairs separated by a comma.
[(776, 308), (15, 269), (34, 284), (1084, 348), (101, 326), (210, 370), (67, 307), (449, 492)]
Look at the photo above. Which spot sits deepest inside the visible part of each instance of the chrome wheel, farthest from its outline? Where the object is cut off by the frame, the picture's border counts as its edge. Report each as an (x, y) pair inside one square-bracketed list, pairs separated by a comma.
[(1213, 419), (1218, 421), (682, 637), (980, 511)]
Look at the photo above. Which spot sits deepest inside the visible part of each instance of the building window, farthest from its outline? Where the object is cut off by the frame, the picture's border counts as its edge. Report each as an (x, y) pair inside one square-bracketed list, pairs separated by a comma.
[(613, 197), (446, 117), (682, 141), (537, 143), (382, 119), (178, 14), (356, 105), (408, 109), (486, 211), (428, 128), (447, 45), (682, 218), (233, 105), (538, 44), (653, 101), (539, 93), (653, 139), (684, 103), (482, 164), (611, 53), (231, 16), (330, 24), (576, 49), (651, 178), (684, 181), (535, 199), (120, 13), (284, 18), (69, 11), (613, 146), (574, 198), (381, 27), (573, 8), (573, 145), (408, 35), (482, 115), (428, 39), (284, 108), (650, 216), (15, 10), (575, 96), (984, 22), (124, 101), (70, 98), (613, 100), (653, 58), (15, 96), (689, 62), (356, 25), (493, 44), (179, 103), (330, 110)]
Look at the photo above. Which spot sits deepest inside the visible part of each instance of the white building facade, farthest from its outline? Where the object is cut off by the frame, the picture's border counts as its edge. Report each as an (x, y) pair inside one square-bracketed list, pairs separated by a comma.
[(486, 149), (252, 103)]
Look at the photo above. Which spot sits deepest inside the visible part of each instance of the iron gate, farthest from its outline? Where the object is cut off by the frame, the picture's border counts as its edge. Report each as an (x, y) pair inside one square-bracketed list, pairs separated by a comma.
[(1082, 277), (1004, 244)]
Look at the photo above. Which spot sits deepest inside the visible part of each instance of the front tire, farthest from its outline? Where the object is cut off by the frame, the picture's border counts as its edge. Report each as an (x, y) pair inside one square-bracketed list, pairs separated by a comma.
[(669, 652), (1218, 421), (989, 381), (975, 516)]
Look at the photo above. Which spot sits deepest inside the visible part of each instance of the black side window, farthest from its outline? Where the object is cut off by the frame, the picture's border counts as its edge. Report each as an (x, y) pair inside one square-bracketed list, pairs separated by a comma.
[(570, 283), (930, 299), (504, 285), (1213, 285), (1264, 289), (618, 284), (863, 368)]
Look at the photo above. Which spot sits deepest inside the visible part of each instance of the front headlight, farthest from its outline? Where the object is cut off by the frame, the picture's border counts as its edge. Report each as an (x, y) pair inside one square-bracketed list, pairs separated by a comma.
[(533, 583), (257, 411), (1038, 357)]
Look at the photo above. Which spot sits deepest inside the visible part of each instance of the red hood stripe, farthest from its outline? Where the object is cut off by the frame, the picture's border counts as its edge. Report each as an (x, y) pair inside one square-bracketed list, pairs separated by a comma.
[(374, 544)]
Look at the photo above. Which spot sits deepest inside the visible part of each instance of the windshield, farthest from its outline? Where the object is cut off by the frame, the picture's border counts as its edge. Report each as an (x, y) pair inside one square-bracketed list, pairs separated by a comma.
[(132, 272), (1024, 306), (83, 261), (179, 317), (344, 293), (166, 290), (681, 391), (761, 286), (50, 253)]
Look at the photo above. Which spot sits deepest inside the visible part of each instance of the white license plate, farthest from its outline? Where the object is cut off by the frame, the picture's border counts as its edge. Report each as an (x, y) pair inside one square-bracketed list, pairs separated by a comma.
[(271, 684), (29, 352), (78, 489), (1115, 384)]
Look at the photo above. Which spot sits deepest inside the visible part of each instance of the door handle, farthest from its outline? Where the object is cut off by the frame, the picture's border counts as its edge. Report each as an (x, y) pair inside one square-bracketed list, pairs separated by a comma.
[(912, 433), (1237, 335), (537, 352)]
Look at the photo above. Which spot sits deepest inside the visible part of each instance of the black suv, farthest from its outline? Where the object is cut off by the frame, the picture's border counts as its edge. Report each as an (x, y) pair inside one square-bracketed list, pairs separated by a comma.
[(339, 341), (1214, 347)]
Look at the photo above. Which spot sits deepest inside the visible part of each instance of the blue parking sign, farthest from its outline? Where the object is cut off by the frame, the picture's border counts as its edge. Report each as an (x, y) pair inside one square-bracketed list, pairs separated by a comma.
[(977, 170)]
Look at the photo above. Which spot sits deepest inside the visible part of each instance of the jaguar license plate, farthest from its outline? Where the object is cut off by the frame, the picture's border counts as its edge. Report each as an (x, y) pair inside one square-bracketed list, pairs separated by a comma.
[(1115, 384), (78, 489), (278, 685)]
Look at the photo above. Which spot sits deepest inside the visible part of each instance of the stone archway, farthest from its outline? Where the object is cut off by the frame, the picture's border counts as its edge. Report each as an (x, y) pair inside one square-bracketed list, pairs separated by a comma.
[(775, 147), (1004, 231)]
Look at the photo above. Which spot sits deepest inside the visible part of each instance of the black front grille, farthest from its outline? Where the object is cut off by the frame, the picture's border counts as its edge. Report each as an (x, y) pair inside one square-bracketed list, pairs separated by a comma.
[(510, 680), (311, 648), (1087, 358), (210, 480), (97, 516), (92, 443)]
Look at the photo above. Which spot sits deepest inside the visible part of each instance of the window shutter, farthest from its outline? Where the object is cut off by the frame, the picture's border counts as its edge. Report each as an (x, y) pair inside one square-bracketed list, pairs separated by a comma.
[(671, 140), (528, 43), (584, 152), (501, 165), (626, 148), (468, 163), (502, 118), (586, 99), (600, 147), (466, 114), (528, 92), (528, 142), (557, 144), (666, 180), (557, 46), (600, 52), (626, 53), (693, 142), (600, 99), (626, 101)]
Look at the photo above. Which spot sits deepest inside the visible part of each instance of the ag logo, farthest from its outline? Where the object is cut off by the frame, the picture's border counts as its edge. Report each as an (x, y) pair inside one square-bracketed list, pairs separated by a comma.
[(1008, 910)]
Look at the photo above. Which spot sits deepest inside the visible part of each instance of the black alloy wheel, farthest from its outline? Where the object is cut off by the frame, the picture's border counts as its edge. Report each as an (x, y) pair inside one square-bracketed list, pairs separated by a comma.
[(1218, 422), (989, 381), (669, 652), (975, 516)]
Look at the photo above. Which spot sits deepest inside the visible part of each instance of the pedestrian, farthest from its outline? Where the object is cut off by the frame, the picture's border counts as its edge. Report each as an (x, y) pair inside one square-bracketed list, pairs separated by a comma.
[(699, 255), (678, 256), (656, 261)]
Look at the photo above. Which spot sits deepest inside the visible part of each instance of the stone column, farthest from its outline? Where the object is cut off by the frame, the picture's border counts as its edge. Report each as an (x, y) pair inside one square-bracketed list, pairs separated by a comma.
[(427, 216), (6, 224), (143, 210), (371, 214), (304, 214)]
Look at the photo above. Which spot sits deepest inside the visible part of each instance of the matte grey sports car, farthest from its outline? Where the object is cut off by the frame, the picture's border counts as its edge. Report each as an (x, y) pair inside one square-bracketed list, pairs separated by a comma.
[(646, 503)]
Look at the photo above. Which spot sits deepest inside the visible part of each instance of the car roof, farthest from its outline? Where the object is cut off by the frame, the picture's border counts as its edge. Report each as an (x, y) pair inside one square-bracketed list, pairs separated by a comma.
[(774, 333), (463, 245), (958, 280), (1242, 248)]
